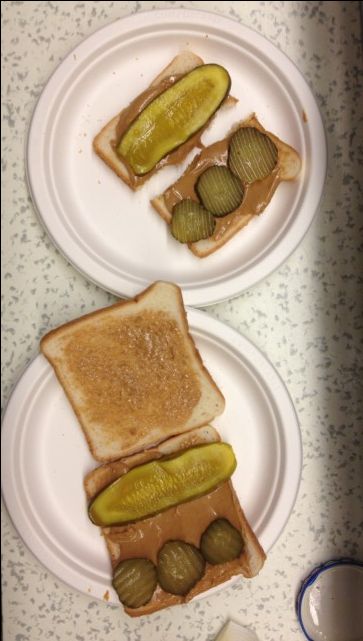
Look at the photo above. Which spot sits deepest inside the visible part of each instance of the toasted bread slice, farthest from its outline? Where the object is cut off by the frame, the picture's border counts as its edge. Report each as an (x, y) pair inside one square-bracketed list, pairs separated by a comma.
[(288, 168), (186, 522), (133, 374), (104, 142)]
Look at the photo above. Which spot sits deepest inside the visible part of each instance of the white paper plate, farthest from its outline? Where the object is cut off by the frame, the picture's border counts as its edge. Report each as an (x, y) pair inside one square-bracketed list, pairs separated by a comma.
[(45, 457), (113, 235)]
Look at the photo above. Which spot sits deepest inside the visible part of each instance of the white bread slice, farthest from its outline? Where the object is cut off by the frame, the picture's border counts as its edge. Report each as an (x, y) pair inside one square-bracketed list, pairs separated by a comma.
[(289, 165), (132, 373), (223, 502)]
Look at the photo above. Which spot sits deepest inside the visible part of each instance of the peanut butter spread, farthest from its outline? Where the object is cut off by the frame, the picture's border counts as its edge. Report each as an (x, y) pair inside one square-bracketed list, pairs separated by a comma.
[(128, 115), (257, 195), (136, 370), (185, 522)]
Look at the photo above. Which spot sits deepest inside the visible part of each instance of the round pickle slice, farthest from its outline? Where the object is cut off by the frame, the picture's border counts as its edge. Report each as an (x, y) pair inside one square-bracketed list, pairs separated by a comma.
[(221, 542), (191, 222), (135, 581), (180, 566), (219, 190), (252, 154)]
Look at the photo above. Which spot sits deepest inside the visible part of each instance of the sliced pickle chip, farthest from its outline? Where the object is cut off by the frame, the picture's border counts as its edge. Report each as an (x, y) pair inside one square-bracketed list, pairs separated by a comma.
[(180, 566), (158, 485), (252, 154), (135, 581), (191, 222), (219, 190), (221, 542), (173, 117)]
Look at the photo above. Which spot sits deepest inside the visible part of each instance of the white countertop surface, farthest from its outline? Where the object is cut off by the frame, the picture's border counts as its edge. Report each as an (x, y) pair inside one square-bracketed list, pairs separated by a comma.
[(306, 317)]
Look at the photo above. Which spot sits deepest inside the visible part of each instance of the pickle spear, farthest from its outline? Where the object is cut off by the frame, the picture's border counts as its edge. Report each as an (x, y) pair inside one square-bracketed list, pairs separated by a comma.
[(173, 117), (155, 486)]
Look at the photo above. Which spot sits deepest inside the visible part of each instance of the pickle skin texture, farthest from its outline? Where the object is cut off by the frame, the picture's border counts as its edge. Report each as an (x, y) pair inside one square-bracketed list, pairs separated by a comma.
[(221, 542), (180, 567), (252, 154), (173, 117), (191, 222), (155, 486), (220, 191), (135, 581)]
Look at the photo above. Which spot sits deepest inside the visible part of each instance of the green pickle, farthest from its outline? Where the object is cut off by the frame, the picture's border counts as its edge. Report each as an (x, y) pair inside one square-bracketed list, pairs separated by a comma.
[(155, 486), (135, 581), (221, 542), (191, 222), (180, 567), (173, 117), (220, 191), (252, 154)]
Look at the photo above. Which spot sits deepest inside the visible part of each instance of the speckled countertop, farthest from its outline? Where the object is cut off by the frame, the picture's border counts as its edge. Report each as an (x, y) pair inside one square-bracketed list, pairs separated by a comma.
[(306, 317)]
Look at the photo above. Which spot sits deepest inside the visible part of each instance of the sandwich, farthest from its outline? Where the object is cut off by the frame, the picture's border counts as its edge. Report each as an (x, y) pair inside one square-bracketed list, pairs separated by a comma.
[(163, 496), (166, 121), (133, 374), (229, 183), (172, 555)]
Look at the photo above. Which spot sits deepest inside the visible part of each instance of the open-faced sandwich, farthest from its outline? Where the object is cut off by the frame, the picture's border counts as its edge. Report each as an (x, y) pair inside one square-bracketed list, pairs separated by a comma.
[(170, 517), (225, 186), (166, 121), (172, 521)]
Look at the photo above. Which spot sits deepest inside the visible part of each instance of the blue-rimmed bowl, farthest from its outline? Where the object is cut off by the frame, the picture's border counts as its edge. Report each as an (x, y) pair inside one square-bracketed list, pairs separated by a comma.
[(329, 605)]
